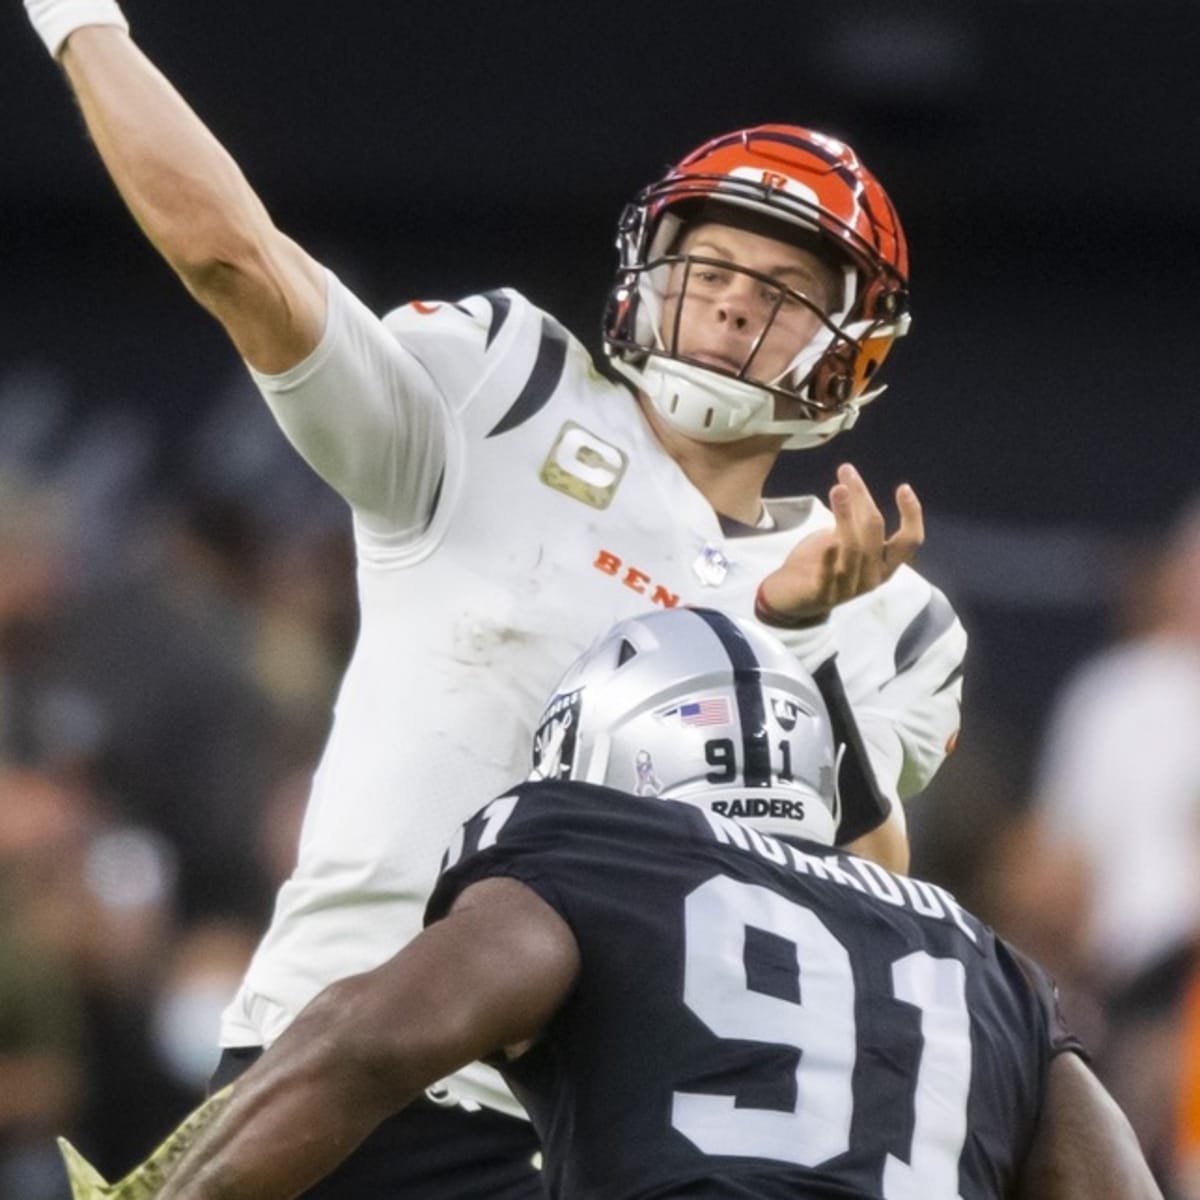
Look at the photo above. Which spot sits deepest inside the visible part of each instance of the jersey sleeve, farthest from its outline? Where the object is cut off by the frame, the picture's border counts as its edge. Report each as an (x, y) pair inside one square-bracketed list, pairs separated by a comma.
[(900, 652), (864, 803), (459, 343), (367, 416), (380, 408), (513, 836), (1059, 1037)]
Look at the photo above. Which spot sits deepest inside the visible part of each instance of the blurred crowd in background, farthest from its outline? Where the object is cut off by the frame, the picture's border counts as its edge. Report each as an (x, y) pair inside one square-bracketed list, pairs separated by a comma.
[(170, 644), (169, 650)]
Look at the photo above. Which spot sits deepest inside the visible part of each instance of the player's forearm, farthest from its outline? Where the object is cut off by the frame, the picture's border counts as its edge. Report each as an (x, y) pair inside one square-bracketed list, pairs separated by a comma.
[(192, 201), (361, 1050), (289, 1122), (490, 974), (269, 1154), (183, 188)]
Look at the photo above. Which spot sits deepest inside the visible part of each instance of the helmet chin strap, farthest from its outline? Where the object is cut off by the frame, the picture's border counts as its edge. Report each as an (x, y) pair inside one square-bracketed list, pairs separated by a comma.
[(710, 407), (703, 404)]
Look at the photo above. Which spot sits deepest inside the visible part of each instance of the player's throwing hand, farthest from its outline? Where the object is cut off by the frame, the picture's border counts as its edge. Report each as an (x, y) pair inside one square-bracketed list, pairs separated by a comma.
[(852, 557)]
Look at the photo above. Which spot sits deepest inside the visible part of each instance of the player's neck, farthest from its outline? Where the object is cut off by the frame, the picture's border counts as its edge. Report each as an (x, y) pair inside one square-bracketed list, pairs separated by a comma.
[(729, 475)]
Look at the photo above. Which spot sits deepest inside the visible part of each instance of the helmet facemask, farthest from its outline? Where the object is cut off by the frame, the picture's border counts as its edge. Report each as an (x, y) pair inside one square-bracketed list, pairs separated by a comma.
[(803, 388)]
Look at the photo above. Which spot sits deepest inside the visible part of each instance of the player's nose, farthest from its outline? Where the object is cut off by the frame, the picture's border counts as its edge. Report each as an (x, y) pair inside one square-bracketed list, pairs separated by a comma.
[(735, 307)]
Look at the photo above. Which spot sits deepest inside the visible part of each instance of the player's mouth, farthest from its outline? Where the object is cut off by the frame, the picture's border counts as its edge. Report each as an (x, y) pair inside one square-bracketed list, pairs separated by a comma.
[(723, 362)]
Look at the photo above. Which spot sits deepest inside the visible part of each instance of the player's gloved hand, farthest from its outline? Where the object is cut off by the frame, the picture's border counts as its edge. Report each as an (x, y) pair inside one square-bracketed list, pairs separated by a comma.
[(145, 1180), (56, 20), (837, 564)]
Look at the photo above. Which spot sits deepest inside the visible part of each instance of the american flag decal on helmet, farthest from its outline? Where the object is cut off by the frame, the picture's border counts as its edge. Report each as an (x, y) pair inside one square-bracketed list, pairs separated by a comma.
[(703, 712)]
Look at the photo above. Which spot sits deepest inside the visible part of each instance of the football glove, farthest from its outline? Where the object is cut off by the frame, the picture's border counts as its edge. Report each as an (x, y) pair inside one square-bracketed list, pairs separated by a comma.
[(144, 1181)]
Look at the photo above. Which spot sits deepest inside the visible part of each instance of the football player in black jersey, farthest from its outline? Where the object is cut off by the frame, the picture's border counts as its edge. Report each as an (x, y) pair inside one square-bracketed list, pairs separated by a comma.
[(694, 994)]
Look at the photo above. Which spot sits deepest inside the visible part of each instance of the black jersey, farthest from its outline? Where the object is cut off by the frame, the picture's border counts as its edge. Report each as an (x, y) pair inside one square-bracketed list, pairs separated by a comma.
[(757, 1017)]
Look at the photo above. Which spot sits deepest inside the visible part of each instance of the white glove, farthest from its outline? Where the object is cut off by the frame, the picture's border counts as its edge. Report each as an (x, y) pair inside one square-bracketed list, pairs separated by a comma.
[(56, 20)]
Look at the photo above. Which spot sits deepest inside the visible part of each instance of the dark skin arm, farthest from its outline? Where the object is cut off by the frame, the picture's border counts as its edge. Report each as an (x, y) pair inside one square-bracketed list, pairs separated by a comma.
[(486, 978), (1084, 1147)]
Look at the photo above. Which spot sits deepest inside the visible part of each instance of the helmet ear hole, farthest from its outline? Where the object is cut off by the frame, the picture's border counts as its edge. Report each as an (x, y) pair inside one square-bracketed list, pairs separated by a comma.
[(627, 651), (838, 388), (889, 303)]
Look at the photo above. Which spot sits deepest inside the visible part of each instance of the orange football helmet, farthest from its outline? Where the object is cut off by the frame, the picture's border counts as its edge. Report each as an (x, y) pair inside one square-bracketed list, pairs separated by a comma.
[(797, 186)]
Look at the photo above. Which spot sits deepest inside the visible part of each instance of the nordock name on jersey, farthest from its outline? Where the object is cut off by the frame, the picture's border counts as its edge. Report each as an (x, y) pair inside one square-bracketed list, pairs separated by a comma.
[(924, 899)]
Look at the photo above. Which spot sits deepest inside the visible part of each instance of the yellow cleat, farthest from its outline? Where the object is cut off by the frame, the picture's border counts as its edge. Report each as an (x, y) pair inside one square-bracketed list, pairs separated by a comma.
[(144, 1181), (86, 1182)]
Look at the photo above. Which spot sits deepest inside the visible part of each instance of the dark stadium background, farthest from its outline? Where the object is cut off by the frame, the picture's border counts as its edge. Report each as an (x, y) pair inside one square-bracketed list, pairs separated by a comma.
[(1044, 154)]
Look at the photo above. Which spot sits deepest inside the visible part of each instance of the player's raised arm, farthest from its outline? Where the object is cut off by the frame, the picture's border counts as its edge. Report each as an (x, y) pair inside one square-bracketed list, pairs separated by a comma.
[(185, 191)]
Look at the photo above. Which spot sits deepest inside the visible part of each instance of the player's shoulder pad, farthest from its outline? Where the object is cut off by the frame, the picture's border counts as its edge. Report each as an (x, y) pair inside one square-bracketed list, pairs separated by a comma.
[(538, 811), (525, 824), (494, 335), (480, 320)]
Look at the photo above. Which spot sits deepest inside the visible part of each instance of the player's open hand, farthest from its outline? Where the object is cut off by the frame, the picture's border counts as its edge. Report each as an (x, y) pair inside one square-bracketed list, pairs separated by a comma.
[(835, 565)]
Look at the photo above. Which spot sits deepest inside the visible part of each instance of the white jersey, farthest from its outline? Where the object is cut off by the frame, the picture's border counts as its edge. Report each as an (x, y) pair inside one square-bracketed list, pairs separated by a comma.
[(510, 504)]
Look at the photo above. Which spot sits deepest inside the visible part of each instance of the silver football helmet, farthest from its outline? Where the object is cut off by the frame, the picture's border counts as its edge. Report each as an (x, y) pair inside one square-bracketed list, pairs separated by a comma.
[(691, 704)]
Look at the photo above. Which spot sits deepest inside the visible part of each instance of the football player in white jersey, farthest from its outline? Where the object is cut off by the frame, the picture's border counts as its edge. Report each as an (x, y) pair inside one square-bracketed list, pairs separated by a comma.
[(509, 501)]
